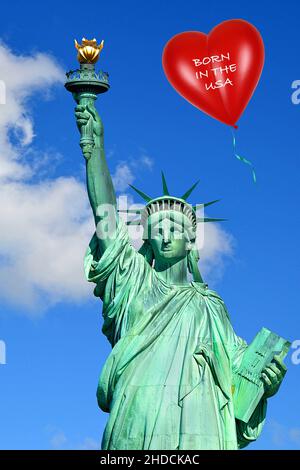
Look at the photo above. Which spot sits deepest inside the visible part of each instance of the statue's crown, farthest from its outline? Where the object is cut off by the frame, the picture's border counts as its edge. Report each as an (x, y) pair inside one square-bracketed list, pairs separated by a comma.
[(168, 203)]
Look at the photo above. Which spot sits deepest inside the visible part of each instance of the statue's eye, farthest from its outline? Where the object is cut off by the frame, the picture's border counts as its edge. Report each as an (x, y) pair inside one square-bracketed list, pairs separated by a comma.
[(157, 232)]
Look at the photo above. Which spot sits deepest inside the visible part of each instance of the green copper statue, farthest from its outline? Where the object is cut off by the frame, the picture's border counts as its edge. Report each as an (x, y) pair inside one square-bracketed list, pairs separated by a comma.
[(170, 380)]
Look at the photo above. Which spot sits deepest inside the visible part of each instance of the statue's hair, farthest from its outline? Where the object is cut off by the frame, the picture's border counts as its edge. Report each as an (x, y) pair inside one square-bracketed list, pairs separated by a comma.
[(193, 268), (147, 251)]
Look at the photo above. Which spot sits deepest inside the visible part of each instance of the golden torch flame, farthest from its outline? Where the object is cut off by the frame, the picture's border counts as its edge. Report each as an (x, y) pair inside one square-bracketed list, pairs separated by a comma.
[(88, 51)]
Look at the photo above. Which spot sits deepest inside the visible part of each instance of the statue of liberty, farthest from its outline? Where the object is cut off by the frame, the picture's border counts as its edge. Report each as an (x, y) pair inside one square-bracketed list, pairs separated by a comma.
[(167, 383)]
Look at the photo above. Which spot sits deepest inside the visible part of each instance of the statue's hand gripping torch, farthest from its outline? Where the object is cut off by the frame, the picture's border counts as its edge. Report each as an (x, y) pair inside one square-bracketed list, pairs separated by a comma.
[(90, 127)]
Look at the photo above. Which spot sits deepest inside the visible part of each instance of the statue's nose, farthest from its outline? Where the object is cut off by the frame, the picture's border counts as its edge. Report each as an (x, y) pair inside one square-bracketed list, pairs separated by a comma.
[(166, 236)]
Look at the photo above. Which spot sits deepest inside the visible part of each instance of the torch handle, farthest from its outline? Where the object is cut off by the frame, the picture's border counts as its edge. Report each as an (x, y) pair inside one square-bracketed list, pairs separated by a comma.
[(87, 142)]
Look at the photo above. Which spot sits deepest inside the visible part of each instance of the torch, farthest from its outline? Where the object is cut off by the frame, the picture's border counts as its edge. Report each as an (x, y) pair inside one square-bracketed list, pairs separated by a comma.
[(85, 84)]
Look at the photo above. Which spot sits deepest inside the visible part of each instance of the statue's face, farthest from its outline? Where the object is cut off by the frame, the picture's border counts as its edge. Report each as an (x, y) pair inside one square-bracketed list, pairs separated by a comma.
[(168, 237)]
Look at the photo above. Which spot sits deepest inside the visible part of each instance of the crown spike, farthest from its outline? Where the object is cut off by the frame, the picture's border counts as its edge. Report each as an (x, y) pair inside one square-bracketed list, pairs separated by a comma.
[(208, 219), (164, 184), (143, 195), (199, 206), (189, 191)]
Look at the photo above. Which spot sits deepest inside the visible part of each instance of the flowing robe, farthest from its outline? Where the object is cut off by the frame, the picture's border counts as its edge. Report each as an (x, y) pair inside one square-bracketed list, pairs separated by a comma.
[(167, 383)]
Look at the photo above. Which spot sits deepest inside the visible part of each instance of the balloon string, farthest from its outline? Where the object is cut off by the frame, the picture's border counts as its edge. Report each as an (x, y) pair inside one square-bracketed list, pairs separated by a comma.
[(242, 159)]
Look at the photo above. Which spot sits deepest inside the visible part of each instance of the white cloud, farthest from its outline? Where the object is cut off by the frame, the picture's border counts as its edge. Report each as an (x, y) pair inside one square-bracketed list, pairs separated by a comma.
[(22, 76), (124, 173), (46, 226), (147, 161), (122, 176), (278, 432), (294, 435), (217, 247), (60, 441), (45, 231), (282, 435), (89, 444)]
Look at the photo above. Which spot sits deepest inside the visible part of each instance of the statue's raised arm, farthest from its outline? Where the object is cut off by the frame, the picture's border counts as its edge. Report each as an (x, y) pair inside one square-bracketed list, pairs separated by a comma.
[(99, 182), (86, 84)]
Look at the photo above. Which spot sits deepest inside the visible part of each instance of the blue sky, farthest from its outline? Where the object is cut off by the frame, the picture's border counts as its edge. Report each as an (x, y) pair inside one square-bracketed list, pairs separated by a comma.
[(49, 320)]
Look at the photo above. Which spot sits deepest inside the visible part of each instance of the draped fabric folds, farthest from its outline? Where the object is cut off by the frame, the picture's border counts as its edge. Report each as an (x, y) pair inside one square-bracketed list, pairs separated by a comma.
[(167, 381)]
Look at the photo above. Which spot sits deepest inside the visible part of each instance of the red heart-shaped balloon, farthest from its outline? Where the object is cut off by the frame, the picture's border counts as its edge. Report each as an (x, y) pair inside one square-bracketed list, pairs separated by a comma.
[(218, 72)]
